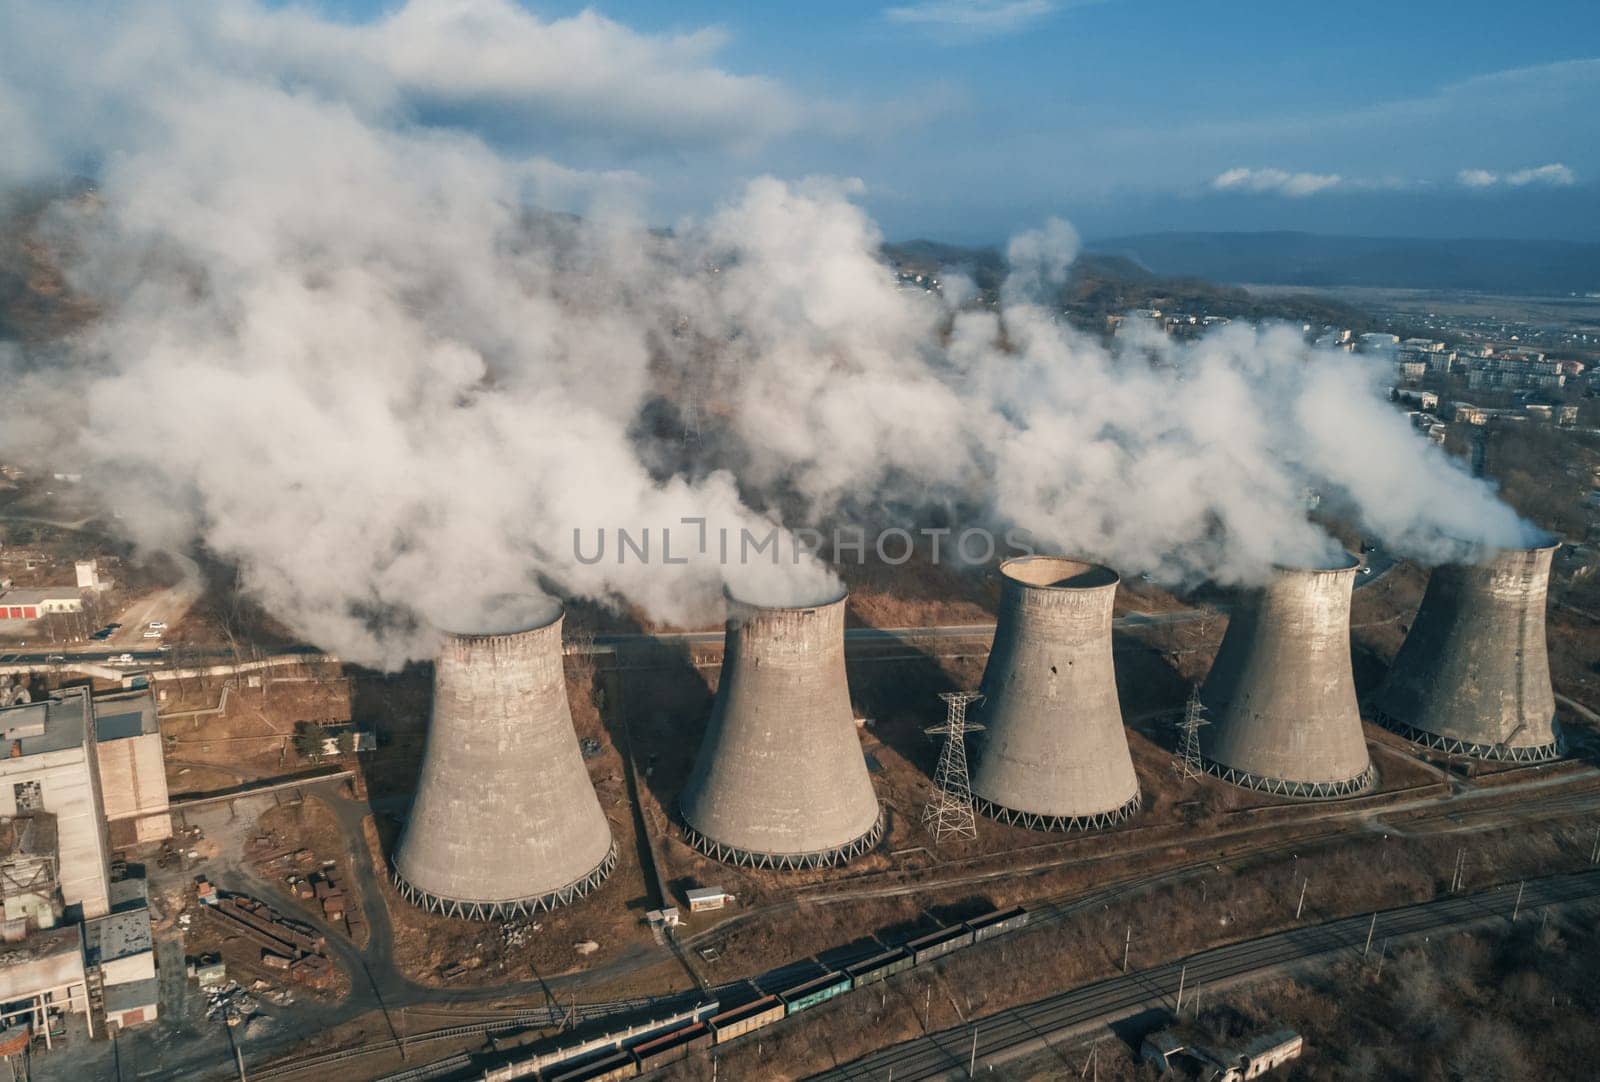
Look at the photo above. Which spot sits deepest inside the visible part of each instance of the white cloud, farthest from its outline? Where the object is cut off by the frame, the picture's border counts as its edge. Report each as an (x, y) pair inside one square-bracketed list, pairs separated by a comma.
[(1555, 175), (973, 18), (487, 67), (1278, 181)]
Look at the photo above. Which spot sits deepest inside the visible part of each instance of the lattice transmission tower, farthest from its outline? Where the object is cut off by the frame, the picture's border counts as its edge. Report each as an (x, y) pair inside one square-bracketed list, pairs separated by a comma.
[(1189, 763), (950, 813)]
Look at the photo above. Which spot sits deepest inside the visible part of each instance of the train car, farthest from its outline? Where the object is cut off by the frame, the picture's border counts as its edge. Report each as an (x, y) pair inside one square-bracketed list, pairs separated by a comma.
[(993, 924), (926, 948), (672, 1047), (609, 1068), (817, 990), (738, 1021), (880, 967)]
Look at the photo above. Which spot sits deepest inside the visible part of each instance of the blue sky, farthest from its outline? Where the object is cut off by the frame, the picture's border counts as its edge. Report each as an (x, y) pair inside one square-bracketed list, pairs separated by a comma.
[(966, 119)]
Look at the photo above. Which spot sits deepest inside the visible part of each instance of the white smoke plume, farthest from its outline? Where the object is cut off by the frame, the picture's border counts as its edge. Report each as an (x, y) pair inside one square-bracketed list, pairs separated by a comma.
[(341, 346)]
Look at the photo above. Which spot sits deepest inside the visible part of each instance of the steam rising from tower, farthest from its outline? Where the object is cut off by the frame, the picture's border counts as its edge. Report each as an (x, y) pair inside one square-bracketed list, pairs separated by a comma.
[(505, 820), (1281, 692), (1055, 756), (1473, 676), (781, 781)]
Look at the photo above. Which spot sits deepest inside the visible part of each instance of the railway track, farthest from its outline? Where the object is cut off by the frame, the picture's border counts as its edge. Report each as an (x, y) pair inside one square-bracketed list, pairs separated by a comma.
[(1011, 1032)]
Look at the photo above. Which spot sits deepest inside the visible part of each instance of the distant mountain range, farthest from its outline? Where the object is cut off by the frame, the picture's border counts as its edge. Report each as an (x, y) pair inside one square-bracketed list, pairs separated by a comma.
[(1100, 284), (1545, 267)]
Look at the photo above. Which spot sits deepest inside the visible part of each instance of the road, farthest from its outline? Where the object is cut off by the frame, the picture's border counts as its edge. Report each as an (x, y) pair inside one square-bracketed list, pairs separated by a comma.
[(1018, 1031), (171, 604), (166, 606), (601, 644)]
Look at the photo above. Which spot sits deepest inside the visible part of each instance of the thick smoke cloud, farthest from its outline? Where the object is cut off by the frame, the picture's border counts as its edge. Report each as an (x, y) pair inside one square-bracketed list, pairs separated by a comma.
[(341, 346)]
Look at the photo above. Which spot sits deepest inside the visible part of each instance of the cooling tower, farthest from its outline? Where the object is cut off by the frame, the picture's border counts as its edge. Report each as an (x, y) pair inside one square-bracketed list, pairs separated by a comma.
[(1054, 753), (1281, 696), (1473, 676), (505, 820), (781, 781)]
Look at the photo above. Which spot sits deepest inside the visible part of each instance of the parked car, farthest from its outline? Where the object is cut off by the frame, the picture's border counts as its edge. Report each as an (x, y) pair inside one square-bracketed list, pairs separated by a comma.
[(158, 625)]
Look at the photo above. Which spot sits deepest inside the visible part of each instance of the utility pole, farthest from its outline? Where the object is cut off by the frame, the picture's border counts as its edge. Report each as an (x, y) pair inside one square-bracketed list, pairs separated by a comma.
[(1517, 907), (1383, 952), (1298, 909), (972, 1060), (1127, 945), (1594, 853), (1373, 927), (1182, 973)]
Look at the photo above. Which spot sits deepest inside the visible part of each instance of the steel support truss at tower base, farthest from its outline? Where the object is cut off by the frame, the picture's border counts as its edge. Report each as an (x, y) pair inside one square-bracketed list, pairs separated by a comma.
[(786, 862), (1305, 790), (522, 907), (1062, 823), (1497, 753)]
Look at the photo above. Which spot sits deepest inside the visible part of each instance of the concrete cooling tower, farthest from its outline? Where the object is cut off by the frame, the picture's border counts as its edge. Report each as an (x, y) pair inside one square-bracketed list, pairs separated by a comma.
[(781, 781), (1054, 754), (1473, 676), (1281, 695), (505, 820)]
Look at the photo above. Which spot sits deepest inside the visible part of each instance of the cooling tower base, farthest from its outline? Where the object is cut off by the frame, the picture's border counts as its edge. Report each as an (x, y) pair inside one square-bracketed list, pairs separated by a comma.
[(1058, 823), (523, 907), (1303, 790), (785, 862), (1497, 753)]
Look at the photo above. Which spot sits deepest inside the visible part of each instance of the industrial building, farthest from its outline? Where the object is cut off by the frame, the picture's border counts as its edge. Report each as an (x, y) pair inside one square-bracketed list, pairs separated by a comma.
[(120, 960), (132, 765), (1473, 675), (51, 767), (505, 820), (44, 975), (33, 603), (781, 781), (1281, 693), (30, 886), (1054, 752)]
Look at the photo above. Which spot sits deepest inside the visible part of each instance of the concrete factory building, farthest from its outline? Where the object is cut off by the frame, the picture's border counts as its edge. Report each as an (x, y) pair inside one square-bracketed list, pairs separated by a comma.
[(505, 820), (781, 781), (1281, 693), (1054, 754), (1473, 676), (51, 768), (132, 765)]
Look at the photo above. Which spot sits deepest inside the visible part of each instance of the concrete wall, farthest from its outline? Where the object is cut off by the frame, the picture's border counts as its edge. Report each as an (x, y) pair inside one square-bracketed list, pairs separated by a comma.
[(504, 810), (1054, 746), (780, 772), (1281, 695), (1475, 668)]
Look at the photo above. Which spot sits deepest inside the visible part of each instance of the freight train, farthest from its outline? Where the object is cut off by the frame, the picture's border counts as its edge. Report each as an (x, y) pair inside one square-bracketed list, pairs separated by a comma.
[(714, 1026)]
